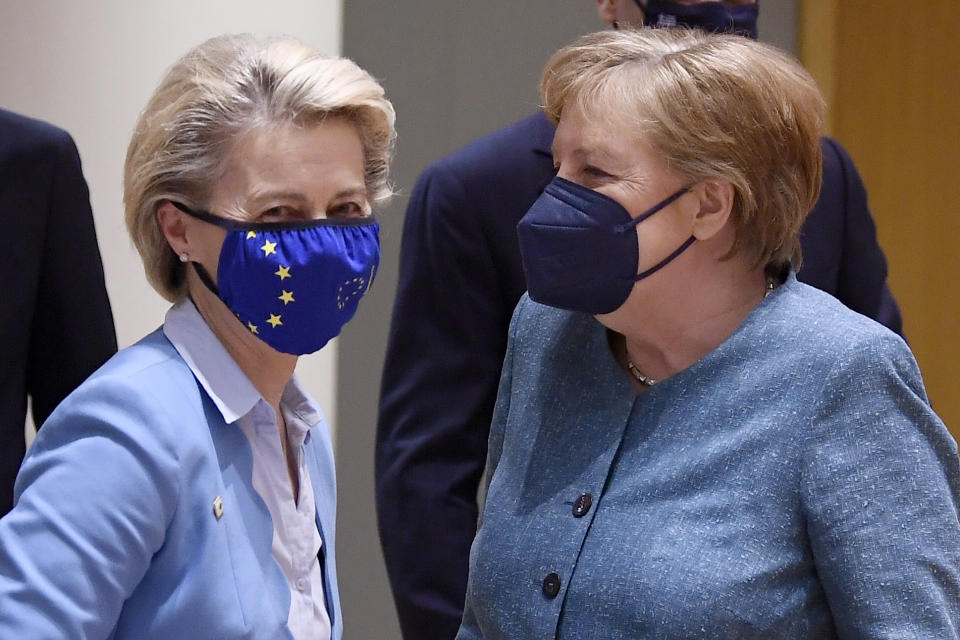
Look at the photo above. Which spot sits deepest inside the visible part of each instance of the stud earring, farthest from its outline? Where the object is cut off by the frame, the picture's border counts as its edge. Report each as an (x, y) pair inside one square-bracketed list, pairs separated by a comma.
[(184, 257)]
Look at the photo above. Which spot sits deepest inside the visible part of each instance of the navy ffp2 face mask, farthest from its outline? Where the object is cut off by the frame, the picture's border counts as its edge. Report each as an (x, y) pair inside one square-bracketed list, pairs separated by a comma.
[(712, 17), (295, 284), (580, 249)]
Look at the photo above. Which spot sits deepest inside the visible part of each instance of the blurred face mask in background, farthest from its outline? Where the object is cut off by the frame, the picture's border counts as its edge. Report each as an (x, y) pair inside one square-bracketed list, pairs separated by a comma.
[(712, 17)]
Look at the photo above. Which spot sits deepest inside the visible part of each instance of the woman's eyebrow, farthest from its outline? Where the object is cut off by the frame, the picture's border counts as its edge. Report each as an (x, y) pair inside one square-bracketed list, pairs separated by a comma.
[(587, 152), (301, 198), (351, 192), (280, 194)]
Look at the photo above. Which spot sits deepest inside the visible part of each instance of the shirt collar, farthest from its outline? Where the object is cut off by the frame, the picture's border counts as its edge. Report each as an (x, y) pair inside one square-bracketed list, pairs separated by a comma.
[(219, 374), (296, 401), (211, 363)]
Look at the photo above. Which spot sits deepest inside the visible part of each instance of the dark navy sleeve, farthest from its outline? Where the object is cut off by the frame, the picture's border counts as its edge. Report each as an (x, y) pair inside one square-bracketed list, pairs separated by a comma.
[(445, 351), (881, 492), (862, 279), (72, 331), (470, 626)]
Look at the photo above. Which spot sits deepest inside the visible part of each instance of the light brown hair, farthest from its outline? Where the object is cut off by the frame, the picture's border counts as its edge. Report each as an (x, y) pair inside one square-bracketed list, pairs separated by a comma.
[(715, 107)]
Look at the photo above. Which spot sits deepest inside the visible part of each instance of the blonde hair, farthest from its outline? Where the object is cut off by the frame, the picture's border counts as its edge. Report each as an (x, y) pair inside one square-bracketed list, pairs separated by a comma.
[(216, 93), (715, 107)]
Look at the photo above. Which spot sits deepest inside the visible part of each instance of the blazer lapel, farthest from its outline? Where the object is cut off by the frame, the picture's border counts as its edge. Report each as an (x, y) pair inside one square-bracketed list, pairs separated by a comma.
[(251, 534)]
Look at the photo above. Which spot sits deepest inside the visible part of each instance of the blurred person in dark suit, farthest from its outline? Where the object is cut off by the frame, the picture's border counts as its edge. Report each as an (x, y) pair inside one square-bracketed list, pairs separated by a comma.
[(460, 279), (56, 328)]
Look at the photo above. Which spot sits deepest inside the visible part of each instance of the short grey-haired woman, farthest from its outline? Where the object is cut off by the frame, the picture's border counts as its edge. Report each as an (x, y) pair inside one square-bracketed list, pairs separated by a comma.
[(687, 441), (186, 489)]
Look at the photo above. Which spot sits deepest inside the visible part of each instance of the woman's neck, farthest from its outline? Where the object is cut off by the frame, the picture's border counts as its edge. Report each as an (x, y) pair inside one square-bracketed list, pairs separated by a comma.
[(669, 329), (267, 369)]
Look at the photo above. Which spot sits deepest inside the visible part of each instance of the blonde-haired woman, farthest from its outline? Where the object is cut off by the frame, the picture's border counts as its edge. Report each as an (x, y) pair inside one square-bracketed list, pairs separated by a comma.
[(186, 490), (687, 441)]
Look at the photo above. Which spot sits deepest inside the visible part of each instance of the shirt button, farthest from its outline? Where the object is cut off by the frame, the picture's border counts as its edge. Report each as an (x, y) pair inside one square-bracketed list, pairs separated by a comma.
[(582, 505), (301, 584), (551, 585)]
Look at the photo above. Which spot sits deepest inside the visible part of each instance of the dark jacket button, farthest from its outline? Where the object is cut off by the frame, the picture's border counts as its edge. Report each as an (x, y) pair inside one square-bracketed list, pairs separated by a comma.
[(551, 585), (582, 505)]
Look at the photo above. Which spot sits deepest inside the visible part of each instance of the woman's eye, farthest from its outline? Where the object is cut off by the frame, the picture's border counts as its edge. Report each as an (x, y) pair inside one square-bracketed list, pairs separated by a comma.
[(596, 172), (277, 213), (346, 210)]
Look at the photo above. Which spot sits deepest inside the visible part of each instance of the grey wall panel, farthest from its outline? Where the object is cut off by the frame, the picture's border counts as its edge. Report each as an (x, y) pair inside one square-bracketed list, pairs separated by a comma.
[(778, 23), (454, 71)]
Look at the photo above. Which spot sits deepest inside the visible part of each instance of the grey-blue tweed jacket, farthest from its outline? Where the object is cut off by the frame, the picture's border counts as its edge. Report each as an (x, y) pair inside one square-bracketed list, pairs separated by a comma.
[(794, 483)]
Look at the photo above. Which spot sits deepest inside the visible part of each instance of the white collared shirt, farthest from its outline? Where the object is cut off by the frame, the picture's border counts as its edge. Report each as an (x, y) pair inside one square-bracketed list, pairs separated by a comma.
[(296, 541)]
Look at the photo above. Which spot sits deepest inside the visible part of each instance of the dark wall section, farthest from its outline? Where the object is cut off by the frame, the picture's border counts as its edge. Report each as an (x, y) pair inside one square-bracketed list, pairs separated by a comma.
[(454, 71)]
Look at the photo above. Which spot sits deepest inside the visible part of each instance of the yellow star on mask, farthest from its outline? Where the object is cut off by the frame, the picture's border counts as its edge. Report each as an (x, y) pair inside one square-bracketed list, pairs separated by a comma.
[(274, 320), (253, 328), (268, 248), (286, 296), (283, 272), (251, 234)]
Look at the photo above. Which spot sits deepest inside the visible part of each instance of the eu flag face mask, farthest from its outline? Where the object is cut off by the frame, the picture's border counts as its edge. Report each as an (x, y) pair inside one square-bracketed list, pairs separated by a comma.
[(580, 249), (712, 17), (295, 284)]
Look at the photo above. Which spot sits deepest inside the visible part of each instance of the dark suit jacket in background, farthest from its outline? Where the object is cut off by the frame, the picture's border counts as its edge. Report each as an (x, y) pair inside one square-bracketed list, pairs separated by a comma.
[(460, 278), (56, 327)]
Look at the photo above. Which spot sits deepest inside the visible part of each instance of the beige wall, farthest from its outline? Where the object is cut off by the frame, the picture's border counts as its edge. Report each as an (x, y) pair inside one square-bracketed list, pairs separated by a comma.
[(89, 67)]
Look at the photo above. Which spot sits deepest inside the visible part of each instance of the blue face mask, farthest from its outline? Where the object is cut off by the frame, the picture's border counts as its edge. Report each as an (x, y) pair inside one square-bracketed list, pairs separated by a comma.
[(293, 285), (580, 250), (712, 17)]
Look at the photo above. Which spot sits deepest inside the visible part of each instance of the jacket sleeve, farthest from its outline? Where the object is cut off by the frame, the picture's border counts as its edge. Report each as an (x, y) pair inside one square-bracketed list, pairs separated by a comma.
[(862, 284), (72, 330), (881, 493), (445, 351), (93, 501)]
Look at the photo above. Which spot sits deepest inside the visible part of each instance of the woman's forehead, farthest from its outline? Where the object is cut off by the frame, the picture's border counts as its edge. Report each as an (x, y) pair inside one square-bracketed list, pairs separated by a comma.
[(307, 165), (598, 129)]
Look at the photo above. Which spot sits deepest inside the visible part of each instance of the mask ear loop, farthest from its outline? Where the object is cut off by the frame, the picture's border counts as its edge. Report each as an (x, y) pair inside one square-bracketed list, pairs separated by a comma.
[(646, 214), (202, 272), (205, 278), (652, 210), (666, 260)]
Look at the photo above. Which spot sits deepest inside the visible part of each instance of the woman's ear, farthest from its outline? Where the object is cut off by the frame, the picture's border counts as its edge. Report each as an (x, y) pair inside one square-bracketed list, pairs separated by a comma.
[(607, 10), (174, 226), (715, 207)]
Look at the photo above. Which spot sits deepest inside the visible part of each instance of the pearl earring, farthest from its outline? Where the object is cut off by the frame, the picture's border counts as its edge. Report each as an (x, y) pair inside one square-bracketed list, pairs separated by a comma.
[(184, 257)]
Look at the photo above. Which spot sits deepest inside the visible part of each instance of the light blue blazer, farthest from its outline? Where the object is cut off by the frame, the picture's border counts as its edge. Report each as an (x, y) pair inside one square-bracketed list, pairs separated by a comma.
[(114, 533)]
